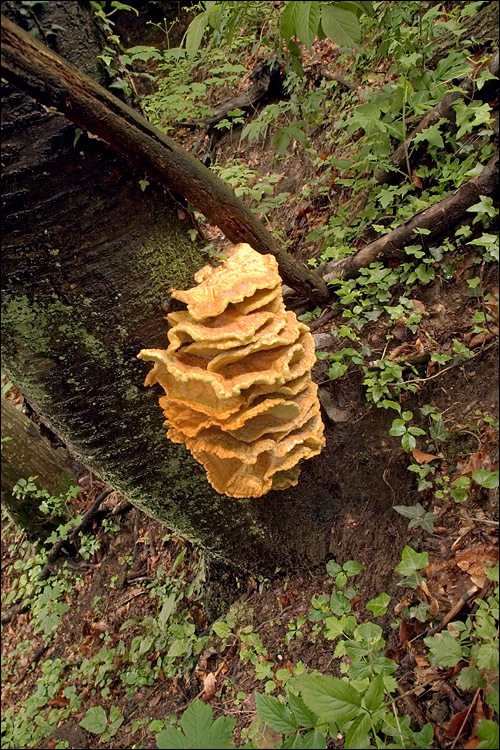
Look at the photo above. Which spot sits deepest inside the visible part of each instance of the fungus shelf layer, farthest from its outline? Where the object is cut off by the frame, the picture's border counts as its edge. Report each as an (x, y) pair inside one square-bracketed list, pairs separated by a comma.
[(237, 377)]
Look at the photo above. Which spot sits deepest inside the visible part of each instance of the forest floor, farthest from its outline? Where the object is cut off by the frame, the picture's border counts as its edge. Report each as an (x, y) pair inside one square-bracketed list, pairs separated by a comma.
[(136, 634)]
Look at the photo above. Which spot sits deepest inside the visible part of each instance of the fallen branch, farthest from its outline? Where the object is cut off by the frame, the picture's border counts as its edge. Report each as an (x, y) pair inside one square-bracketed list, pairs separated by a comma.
[(55, 83), (348, 85), (443, 109), (36, 658), (266, 83), (57, 547), (22, 607), (437, 219)]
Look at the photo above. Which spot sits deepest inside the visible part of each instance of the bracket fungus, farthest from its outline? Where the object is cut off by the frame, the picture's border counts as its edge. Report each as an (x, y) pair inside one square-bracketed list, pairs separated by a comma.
[(237, 377)]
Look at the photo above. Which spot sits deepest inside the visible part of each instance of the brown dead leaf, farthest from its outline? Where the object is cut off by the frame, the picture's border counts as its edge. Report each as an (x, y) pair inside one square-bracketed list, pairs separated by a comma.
[(416, 180), (477, 560), (472, 744), (455, 725), (59, 702), (209, 686), (423, 458), (480, 338)]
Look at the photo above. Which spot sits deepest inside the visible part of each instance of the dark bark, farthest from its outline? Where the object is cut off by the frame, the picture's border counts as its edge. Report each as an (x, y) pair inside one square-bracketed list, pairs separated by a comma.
[(51, 81), (438, 219), (481, 29)]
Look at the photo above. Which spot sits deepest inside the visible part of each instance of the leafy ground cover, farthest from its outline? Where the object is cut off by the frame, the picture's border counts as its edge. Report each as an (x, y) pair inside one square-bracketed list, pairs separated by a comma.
[(118, 647)]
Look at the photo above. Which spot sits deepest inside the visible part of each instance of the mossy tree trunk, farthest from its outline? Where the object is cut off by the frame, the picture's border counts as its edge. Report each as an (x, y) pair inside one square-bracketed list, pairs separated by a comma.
[(27, 453), (88, 260)]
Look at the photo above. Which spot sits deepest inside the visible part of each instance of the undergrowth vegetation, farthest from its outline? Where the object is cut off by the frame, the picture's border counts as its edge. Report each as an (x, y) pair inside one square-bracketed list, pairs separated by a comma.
[(388, 328)]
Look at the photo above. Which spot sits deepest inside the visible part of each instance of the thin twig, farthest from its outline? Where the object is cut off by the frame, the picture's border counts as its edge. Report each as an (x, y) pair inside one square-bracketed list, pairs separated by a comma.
[(450, 367), (36, 658), (466, 718)]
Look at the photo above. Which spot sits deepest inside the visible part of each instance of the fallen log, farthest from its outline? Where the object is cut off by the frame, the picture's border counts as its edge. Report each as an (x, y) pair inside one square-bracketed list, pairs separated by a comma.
[(52, 81), (438, 219)]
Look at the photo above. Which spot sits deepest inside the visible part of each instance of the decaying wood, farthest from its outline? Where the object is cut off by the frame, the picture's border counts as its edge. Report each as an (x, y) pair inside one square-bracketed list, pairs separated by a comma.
[(443, 109), (27, 454), (437, 219), (55, 83), (266, 81), (482, 27)]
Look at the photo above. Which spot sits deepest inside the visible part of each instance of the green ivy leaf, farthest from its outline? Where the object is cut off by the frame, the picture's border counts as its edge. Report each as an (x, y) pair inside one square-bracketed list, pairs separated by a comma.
[(411, 561), (379, 604), (485, 478), (352, 568)]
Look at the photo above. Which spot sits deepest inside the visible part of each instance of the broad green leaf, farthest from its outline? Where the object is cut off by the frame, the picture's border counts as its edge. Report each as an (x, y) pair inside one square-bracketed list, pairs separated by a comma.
[(379, 604), (122, 6), (408, 442), (340, 25), (177, 648), (288, 20), (487, 656), (445, 649), (195, 32), (410, 511), (337, 370), (358, 734), (485, 478), (339, 603), (307, 22), (412, 561), (431, 135), (169, 606), (488, 732), (332, 699), (171, 738), (95, 720), (303, 716), (202, 732), (374, 696), (470, 677), (274, 714)]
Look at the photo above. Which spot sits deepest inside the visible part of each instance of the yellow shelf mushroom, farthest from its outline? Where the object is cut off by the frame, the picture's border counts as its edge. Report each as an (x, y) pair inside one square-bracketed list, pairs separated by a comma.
[(237, 378)]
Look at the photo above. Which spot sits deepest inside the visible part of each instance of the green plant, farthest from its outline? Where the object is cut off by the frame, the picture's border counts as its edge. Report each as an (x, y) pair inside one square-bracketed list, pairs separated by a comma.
[(400, 428), (197, 728), (97, 722)]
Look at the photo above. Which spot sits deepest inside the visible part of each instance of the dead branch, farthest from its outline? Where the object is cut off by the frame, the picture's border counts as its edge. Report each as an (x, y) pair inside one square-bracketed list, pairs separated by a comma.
[(266, 83), (58, 546), (437, 219), (55, 83), (443, 109), (348, 85)]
